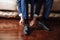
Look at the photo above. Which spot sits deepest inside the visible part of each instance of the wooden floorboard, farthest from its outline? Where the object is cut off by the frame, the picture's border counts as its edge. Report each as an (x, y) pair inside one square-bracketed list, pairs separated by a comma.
[(11, 30)]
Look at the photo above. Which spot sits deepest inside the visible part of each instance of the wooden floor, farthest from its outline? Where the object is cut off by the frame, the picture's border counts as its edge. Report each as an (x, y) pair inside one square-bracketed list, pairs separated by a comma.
[(10, 30)]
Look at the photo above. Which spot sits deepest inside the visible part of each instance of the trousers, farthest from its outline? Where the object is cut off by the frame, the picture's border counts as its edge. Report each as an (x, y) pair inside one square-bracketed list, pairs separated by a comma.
[(23, 8), (47, 7)]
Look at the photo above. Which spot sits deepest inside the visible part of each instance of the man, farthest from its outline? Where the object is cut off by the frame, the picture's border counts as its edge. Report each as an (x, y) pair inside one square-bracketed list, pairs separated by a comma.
[(46, 11), (23, 13)]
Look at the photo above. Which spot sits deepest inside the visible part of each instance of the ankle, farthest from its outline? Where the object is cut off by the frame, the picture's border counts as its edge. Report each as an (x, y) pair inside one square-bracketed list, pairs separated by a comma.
[(20, 14), (25, 21)]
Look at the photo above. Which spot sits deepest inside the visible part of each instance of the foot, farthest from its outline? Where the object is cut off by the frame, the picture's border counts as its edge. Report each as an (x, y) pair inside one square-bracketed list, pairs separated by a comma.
[(32, 22), (21, 22), (43, 25), (26, 29)]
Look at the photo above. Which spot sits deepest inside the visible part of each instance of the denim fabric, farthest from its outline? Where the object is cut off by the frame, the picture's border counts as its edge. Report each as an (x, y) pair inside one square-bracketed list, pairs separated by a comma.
[(23, 8), (47, 7)]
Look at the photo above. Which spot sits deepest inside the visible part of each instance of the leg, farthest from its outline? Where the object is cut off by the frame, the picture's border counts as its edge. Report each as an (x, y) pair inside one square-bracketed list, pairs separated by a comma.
[(24, 5), (32, 13), (37, 11), (20, 11), (46, 12), (32, 9), (38, 6), (47, 8), (24, 10), (19, 6)]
